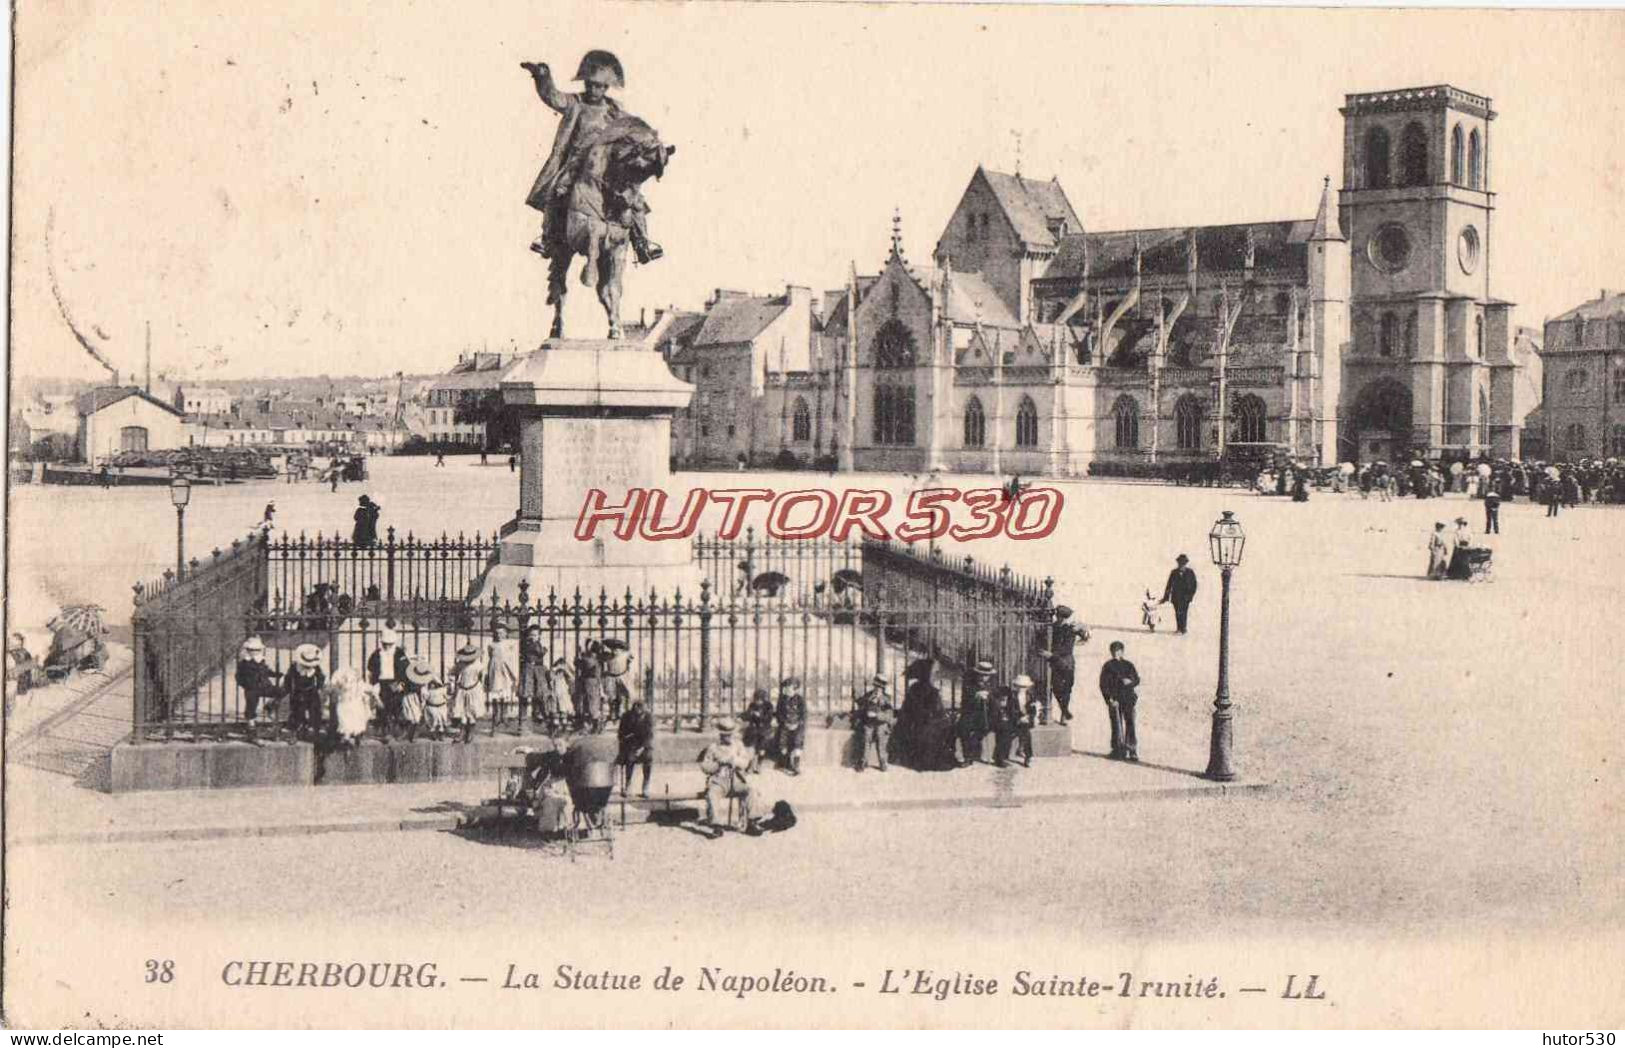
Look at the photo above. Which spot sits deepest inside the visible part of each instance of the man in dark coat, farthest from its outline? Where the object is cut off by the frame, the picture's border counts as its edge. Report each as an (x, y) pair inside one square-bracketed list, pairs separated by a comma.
[(1492, 512), (1064, 634), (1118, 681), (973, 725), (386, 671), (636, 733), (1180, 590)]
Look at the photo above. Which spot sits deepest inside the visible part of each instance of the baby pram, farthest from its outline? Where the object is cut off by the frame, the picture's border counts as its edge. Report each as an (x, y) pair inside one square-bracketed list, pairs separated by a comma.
[(1479, 563)]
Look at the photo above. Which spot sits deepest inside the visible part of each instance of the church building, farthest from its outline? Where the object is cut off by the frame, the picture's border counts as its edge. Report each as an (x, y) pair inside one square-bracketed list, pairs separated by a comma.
[(1365, 329)]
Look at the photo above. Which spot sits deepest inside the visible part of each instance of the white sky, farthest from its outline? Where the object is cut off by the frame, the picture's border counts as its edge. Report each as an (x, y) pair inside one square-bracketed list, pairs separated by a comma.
[(314, 192)]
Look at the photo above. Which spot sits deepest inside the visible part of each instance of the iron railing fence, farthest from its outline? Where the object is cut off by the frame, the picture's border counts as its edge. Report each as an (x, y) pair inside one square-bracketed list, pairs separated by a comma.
[(843, 613), (976, 610), (186, 625), (777, 567)]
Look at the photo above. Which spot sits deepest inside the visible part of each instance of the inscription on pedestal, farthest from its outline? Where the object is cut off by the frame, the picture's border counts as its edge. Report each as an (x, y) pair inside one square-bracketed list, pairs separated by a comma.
[(611, 454)]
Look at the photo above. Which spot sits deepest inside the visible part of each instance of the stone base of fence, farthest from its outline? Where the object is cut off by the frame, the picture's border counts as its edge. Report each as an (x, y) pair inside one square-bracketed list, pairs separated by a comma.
[(226, 765)]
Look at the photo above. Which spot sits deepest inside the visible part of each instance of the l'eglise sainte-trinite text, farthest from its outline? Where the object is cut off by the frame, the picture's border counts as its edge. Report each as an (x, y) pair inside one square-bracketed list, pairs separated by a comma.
[(942, 985)]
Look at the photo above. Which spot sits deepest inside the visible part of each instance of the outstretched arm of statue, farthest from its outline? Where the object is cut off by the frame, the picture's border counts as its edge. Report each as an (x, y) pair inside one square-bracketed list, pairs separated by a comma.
[(543, 76)]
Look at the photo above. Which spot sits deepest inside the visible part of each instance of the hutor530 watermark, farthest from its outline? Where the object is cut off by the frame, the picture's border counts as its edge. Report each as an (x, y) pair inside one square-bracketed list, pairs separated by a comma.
[(930, 513)]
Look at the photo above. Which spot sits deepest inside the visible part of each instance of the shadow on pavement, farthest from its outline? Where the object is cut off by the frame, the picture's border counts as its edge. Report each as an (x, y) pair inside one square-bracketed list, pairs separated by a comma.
[(1151, 765)]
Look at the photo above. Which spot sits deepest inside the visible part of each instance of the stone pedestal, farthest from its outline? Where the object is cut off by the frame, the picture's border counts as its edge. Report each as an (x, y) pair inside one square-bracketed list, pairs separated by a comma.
[(594, 415)]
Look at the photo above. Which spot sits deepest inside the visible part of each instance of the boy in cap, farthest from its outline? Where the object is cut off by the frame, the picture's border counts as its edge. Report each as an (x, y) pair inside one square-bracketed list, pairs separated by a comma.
[(792, 716), (872, 718), (1064, 634), (1118, 681), (972, 726), (534, 687)]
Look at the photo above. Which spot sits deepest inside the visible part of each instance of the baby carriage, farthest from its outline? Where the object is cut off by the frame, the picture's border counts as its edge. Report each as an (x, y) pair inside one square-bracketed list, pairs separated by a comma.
[(1479, 564)]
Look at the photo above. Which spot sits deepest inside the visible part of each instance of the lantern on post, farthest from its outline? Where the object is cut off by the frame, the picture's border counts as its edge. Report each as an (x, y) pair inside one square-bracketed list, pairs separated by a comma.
[(180, 493), (1226, 542)]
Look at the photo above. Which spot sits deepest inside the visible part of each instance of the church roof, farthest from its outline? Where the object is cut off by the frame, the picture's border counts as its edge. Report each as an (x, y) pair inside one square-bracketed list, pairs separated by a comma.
[(1031, 205), (835, 319), (971, 299), (1276, 246)]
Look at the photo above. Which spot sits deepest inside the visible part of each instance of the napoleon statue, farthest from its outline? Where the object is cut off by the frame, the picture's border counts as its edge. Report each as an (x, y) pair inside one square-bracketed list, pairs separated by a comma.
[(588, 191)]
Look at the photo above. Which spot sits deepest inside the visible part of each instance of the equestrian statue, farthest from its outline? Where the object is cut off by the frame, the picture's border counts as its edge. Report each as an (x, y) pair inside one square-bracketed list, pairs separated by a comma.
[(588, 191)]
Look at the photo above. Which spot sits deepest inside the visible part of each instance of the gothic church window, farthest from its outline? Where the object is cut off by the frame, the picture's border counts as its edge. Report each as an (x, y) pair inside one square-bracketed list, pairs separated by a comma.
[(1027, 424), (1575, 437), (1376, 159), (801, 422), (975, 424), (1126, 422), (1483, 419), (1188, 423), (1413, 155), (1251, 420), (1458, 157), (894, 415), (894, 345), (1475, 161), (1388, 340)]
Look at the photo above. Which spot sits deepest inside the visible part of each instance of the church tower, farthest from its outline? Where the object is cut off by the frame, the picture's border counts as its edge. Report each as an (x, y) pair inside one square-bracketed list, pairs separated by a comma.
[(1416, 207)]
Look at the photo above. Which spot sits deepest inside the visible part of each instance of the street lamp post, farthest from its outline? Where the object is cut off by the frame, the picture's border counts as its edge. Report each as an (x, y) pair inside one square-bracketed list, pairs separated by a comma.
[(1226, 540), (180, 493)]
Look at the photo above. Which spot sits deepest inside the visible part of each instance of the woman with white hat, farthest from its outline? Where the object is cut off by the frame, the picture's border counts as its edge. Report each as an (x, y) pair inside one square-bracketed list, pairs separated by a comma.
[(468, 704)]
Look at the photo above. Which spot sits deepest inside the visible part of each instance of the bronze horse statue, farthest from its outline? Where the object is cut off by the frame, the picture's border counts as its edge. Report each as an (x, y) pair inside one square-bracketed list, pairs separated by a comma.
[(603, 211)]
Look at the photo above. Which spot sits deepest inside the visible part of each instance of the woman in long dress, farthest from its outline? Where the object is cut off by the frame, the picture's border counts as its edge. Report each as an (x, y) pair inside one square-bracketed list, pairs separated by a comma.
[(1438, 552)]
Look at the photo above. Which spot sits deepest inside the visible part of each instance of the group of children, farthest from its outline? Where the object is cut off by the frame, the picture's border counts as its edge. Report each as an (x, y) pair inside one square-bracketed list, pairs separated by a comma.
[(398, 695)]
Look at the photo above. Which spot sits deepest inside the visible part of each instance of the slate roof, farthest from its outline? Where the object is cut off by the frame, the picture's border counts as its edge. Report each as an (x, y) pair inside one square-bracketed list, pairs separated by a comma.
[(106, 396), (1277, 246), (1031, 205), (1607, 306), (965, 290), (739, 319)]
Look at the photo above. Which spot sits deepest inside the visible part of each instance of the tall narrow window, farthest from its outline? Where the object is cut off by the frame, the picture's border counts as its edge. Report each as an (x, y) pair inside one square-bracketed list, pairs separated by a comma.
[(1475, 161), (1478, 336), (1458, 157), (1251, 423), (1388, 341), (801, 422), (1126, 422), (1188, 423), (1027, 424), (1413, 155), (894, 415), (975, 424), (1376, 159)]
